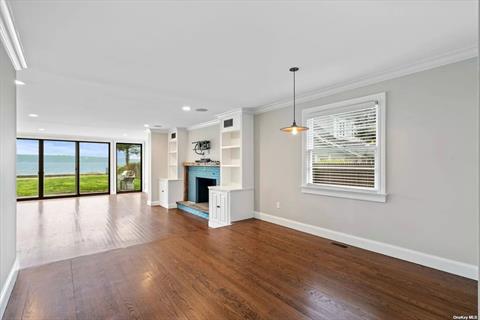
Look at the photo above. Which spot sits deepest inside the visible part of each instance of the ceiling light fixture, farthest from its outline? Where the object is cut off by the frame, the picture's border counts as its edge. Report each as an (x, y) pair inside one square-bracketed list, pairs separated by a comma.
[(33, 115), (201, 109), (294, 128), (186, 108), (19, 83), (146, 125), (41, 129)]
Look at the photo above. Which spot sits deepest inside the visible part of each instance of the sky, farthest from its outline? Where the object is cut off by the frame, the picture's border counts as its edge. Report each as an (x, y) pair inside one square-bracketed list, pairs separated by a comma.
[(62, 148)]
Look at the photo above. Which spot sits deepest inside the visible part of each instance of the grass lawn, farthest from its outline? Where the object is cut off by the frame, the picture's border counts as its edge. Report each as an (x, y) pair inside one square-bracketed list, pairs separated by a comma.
[(28, 187)]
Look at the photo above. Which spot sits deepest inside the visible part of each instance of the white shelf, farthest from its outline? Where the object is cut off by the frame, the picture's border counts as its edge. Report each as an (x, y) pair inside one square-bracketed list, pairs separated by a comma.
[(231, 147), (230, 165), (172, 151)]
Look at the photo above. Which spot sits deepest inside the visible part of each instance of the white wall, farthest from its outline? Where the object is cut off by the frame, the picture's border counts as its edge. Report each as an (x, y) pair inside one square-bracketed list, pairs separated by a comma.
[(156, 153), (211, 133), (432, 159), (8, 205)]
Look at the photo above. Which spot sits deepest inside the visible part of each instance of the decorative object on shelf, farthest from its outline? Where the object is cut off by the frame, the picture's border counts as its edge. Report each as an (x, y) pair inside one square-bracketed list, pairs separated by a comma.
[(204, 160), (212, 163), (200, 147), (294, 128)]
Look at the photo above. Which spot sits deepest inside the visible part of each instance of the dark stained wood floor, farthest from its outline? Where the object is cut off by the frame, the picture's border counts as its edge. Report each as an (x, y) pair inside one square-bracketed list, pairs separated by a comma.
[(250, 270)]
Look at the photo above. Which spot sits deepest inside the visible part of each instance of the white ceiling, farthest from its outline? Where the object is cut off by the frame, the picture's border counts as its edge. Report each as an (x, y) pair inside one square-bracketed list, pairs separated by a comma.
[(106, 68)]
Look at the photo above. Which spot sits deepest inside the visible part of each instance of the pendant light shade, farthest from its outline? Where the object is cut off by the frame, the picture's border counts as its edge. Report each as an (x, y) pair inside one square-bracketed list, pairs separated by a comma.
[(294, 128)]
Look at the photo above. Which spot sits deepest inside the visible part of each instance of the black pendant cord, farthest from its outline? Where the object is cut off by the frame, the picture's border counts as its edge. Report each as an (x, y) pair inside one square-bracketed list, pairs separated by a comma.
[(294, 122)]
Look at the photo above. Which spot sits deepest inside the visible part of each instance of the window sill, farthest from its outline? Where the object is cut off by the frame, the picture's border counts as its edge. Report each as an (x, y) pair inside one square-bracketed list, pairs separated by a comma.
[(344, 193)]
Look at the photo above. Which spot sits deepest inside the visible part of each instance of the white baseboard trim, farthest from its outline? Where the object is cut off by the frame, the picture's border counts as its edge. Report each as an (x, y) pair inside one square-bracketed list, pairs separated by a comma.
[(8, 287), (424, 259), (153, 203), (172, 205), (216, 224), (166, 206)]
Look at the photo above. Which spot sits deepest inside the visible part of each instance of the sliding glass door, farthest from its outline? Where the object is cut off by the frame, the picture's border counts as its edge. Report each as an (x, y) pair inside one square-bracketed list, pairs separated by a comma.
[(94, 167), (129, 167), (57, 168), (27, 168)]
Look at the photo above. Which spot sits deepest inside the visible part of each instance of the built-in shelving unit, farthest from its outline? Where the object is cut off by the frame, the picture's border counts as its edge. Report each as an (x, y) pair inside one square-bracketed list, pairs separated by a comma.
[(177, 139), (171, 187), (232, 200)]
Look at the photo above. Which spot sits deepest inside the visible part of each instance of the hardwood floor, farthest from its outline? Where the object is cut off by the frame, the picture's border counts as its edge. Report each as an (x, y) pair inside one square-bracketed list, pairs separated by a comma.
[(250, 270), (57, 229)]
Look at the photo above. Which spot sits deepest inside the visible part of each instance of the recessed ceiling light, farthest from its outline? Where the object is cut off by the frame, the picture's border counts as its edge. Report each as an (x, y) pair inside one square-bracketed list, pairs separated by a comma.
[(33, 115), (19, 83), (41, 129), (158, 126), (186, 108), (146, 125), (201, 109)]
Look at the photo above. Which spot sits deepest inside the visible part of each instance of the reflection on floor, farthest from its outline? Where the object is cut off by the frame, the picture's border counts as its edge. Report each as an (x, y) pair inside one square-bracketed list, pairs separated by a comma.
[(250, 270), (57, 229)]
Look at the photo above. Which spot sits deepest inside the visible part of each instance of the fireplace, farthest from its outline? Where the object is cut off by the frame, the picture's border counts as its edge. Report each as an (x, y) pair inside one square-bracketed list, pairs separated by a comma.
[(202, 185)]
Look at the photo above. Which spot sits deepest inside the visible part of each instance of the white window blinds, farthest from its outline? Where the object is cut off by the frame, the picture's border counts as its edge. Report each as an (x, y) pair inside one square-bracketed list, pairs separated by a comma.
[(341, 146)]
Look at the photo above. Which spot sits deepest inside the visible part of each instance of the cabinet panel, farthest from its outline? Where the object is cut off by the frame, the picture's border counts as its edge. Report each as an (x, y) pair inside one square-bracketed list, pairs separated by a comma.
[(222, 210), (213, 206), (163, 186), (218, 215)]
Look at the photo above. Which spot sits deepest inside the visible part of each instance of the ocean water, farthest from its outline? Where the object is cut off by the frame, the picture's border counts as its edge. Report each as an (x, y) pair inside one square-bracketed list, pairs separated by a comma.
[(28, 164)]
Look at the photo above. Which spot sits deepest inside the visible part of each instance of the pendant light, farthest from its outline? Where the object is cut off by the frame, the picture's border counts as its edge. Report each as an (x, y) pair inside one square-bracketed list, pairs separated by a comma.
[(294, 128)]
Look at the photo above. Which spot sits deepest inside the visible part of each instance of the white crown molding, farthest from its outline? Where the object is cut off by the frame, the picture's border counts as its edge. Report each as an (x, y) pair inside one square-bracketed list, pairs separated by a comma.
[(203, 125), (424, 259), (158, 130), (9, 38), (233, 111), (392, 73)]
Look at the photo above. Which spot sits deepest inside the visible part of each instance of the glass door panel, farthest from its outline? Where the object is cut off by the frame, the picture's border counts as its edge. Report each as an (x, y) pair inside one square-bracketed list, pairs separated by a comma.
[(59, 168), (129, 167), (27, 168), (94, 167)]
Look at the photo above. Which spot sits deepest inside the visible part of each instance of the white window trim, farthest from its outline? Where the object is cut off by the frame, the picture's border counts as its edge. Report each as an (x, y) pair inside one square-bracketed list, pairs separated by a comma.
[(379, 194)]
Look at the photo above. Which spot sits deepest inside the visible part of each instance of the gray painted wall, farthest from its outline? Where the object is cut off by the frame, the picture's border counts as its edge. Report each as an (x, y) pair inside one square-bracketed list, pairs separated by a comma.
[(8, 205), (432, 167), (211, 133), (157, 146)]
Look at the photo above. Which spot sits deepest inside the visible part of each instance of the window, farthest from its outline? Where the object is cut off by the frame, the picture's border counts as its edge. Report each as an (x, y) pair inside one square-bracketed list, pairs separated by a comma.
[(59, 168), (344, 149), (28, 168)]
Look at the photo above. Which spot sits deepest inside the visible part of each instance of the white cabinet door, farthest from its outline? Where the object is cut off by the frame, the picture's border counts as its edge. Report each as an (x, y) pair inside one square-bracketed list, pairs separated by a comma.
[(222, 208), (163, 185), (212, 214), (218, 215)]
